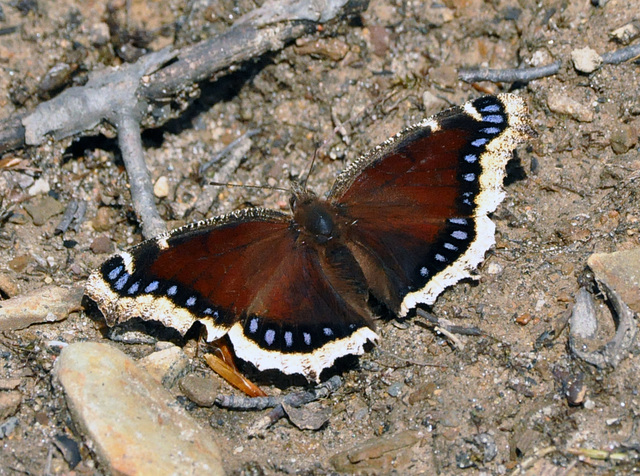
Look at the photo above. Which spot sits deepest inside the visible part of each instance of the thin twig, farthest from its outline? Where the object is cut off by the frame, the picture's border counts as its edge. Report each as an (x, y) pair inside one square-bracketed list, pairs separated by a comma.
[(520, 75), (67, 217), (623, 54), (269, 28), (445, 324), (224, 152), (295, 399), (130, 143)]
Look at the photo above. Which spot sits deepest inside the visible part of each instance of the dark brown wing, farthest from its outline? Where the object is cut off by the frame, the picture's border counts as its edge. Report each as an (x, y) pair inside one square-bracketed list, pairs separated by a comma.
[(417, 206), (285, 304)]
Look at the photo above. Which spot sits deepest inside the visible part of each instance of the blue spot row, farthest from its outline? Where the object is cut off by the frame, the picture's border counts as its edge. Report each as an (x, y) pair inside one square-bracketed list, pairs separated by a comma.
[(123, 283)]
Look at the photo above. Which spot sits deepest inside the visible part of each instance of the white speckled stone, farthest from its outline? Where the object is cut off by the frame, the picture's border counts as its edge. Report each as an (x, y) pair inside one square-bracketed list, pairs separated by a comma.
[(134, 426)]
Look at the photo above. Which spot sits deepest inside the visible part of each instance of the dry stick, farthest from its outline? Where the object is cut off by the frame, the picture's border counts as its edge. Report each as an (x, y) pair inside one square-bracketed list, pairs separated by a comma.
[(521, 75), (130, 143), (265, 29), (623, 54), (295, 399), (123, 96)]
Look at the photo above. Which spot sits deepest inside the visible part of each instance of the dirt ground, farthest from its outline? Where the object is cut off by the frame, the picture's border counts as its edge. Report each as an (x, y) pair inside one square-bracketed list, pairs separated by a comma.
[(496, 403)]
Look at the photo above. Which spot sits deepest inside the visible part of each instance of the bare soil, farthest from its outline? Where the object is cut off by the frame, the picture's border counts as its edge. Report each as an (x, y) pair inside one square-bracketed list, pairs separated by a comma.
[(572, 192)]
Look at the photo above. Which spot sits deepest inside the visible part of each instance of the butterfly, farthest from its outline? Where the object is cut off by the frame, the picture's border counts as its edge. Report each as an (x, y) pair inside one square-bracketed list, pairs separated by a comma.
[(293, 291)]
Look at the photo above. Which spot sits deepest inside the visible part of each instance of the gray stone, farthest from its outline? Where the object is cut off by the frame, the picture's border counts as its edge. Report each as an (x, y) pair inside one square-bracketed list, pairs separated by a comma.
[(134, 425)]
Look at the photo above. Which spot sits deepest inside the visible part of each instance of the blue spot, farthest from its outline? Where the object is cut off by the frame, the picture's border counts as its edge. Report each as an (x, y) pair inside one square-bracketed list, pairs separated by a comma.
[(490, 130), (208, 311), (479, 142), (191, 301), (172, 291), (458, 221), (327, 331), (495, 119), (451, 247), (440, 258), (288, 338), (424, 272), (115, 273), (307, 338), (134, 288), (469, 177), (470, 158), (460, 235), (490, 108), (152, 286), (253, 325), (122, 281), (270, 337)]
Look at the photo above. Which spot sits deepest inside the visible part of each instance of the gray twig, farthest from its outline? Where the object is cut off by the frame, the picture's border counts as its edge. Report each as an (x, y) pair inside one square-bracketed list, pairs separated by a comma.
[(447, 326), (623, 54), (67, 217), (126, 95), (228, 149), (295, 399), (520, 75), (142, 197)]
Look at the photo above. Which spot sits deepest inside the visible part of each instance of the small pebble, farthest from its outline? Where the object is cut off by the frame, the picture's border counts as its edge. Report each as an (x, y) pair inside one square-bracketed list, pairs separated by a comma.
[(19, 263), (8, 285), (161, 187), (623, 138), (559, 102), (9, 403), (576, 390), (395, 389), (200, 390), (494, 268), (626, 33), (39, 187), (8, 427), (331, 48), (103, 220), (586, 60), (102, 245), (166, 365), (43, 208)]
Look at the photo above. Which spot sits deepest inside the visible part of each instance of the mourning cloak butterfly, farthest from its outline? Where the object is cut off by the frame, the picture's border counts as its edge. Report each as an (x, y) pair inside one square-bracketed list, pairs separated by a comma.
[(400, 224)]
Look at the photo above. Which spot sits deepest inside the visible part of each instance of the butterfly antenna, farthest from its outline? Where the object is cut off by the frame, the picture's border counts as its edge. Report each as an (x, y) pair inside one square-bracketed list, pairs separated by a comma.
[(308, 174), (260, 187)]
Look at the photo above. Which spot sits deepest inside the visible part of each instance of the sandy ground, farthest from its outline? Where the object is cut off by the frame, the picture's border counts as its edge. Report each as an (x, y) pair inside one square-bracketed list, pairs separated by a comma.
[(572, 192)]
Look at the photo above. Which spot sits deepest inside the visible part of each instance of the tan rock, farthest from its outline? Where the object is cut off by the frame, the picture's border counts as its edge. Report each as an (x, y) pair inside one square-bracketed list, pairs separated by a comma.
[(133, 423)]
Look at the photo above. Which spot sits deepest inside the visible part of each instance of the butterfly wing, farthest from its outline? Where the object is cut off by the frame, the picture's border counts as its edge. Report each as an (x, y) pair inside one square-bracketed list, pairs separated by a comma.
[(417, 205), (284, 303)]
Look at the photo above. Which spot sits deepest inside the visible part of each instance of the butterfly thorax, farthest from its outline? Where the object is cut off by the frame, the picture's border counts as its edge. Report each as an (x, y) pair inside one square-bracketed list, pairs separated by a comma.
[(313, 216)]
